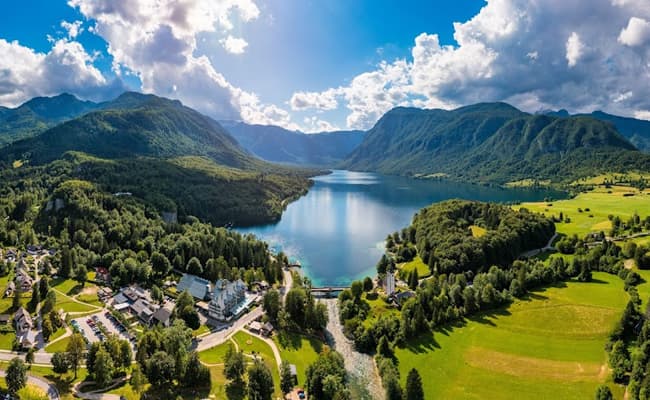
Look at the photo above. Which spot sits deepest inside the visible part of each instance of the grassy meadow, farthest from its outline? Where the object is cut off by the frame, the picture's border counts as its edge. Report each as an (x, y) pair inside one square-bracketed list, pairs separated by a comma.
[(595, 208), (548, 346)]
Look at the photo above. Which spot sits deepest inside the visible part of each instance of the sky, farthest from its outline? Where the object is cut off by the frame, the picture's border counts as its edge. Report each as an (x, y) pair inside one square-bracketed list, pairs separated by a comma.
[(315, 65)]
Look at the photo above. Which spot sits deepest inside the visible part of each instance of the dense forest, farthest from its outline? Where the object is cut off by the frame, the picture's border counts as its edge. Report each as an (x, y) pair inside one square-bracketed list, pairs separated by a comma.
[(94, 228), (443, 237)]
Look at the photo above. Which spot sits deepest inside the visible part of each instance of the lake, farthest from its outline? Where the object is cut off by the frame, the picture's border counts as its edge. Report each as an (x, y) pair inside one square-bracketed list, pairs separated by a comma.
[(337, 230)]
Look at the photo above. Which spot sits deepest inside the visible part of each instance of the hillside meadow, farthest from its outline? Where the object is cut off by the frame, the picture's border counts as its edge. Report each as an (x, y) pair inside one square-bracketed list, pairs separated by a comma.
[(547, 346)]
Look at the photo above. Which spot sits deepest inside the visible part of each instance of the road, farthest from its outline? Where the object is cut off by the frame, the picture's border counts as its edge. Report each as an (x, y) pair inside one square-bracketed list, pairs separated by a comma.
[(548, 247), (216, 338), (40, 358), (47, 387)]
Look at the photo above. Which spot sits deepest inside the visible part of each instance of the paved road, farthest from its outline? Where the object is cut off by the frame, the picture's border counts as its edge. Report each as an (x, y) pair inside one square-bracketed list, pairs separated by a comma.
[(46, 386), (215, 339), (40, 358)]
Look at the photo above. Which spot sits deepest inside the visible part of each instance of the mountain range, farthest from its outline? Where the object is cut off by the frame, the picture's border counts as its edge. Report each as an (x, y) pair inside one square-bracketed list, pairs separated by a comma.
[(493, 143), (169, 156), (276, 144), (487, 142)]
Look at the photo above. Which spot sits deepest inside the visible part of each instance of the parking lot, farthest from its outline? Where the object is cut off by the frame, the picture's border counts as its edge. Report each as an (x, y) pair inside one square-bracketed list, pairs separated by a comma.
[(91, 327)]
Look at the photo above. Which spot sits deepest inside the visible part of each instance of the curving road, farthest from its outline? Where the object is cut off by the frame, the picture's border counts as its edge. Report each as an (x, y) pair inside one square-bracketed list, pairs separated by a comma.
[(47, 387)]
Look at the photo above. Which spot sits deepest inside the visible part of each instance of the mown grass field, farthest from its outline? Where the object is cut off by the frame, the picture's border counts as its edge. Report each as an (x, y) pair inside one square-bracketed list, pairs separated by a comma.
[(549, 346), (418, 264), (600, 204), (252, 347), (215, 355), (300, 350)]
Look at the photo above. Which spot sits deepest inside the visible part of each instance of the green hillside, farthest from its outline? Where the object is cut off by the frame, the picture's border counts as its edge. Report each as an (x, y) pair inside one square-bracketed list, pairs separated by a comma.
[(493, 143), (38, 114), (133, 125)]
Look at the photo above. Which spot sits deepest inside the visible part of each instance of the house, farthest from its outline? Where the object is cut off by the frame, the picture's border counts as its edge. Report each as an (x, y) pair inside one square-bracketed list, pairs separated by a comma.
[(102, 275), (24, 280), (22, 321), (294, 373), (4, 319), (199, 288), (267, 329), (11, 288), (142, 309), (389, 283), (26, 339), (401, 297), (227, 299), (255, 327), (161, 316)]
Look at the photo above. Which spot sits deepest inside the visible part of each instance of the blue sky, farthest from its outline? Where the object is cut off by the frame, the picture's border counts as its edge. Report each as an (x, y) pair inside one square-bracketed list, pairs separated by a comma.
[(322, 65)]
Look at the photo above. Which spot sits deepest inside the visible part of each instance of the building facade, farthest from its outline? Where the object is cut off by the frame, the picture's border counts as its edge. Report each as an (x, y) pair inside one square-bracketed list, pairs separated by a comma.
[(227, 297)]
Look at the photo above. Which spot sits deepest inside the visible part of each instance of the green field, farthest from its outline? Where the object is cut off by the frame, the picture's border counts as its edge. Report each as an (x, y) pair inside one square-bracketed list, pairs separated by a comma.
[(549, 346), (7, 340), (299, 350), (416, 263), (67, 304), (59, 346), (215, 355), (600, 205), (251, 346)]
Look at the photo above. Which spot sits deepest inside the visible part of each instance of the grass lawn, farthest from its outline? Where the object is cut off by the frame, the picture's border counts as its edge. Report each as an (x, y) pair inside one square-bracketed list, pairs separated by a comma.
[(378, 307), (549, 346), (201, 330), (61, 345), (600, 205), (67, 304), (67, 286), (477, 231), (63, 382), (215, 355), (59, 332), (253, 346), (29, 392), (416, 263), (299, 350), (7, 340)]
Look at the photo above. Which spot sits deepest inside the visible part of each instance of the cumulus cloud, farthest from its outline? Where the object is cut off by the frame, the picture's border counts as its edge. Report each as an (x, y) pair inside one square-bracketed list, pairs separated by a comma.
[(157, 41), (636, 33), (25, 73), (536, 54), (72, 28), (574, 49), (234, 45)]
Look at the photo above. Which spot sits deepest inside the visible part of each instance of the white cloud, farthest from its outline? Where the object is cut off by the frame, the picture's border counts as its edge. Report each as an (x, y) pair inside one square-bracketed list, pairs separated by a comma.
[(157, 41), (637, 32), (314, 124), (522, 51), (25, 73), (319, 100), (72, 28), (234, 45), (642, 114), (574, 49)]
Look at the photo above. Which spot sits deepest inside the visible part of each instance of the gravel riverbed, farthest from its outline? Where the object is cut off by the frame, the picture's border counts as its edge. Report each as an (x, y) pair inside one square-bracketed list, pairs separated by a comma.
[(364, 379)]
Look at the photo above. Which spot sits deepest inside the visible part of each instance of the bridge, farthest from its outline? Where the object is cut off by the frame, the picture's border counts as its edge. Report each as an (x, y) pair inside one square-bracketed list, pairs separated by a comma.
[(327, 291)]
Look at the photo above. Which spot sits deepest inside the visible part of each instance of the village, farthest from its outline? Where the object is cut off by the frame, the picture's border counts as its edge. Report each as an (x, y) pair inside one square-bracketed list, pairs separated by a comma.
[(97, 310)]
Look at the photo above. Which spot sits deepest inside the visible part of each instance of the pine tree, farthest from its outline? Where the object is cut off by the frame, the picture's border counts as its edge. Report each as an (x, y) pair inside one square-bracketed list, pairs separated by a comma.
[(414, 389)]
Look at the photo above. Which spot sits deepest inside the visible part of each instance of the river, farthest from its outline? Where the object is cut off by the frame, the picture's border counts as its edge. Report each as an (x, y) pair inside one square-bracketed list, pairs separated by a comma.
[(337, 230)]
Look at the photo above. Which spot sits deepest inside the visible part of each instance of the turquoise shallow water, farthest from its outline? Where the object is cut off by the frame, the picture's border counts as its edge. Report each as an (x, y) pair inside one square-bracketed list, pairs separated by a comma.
[(337, 229)]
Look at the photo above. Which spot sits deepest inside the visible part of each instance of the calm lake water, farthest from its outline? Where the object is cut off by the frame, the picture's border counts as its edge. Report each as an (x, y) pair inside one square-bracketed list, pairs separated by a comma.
[(337, 230)]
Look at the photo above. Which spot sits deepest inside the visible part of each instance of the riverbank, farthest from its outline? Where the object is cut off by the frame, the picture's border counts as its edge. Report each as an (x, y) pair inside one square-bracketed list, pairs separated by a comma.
[(363, 375)]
